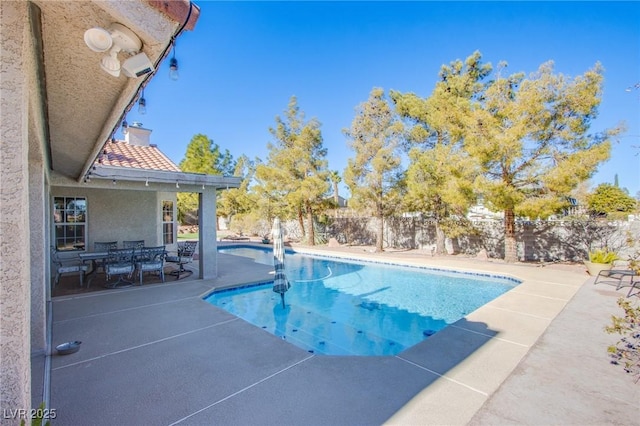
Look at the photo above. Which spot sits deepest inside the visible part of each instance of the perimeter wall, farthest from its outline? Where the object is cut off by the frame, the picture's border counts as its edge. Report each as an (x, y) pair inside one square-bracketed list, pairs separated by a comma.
[(537, 240)]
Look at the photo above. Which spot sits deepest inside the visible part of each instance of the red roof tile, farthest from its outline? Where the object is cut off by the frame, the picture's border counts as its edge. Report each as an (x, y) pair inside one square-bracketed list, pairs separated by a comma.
[(122, 154)]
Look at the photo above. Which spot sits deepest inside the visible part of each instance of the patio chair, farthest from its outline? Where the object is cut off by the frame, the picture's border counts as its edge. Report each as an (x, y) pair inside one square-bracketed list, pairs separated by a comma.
[(151, 259), (186, 250), (136, 244), (119, 262), (67, 266), (103, 246)]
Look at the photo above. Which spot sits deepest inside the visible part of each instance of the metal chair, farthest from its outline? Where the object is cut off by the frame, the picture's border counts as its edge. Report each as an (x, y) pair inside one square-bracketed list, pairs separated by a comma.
[(119, 262), (136, 244), (151, 259), (105, 246), (67, 266), (186, 250), (102, 246)]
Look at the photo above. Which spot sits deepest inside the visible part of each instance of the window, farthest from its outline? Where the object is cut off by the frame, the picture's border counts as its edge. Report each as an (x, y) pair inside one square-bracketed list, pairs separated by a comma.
[(70, 222), (167, 222)]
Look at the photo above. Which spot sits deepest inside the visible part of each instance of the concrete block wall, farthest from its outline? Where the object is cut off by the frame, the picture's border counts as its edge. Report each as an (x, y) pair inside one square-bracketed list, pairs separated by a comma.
[(536, 240)]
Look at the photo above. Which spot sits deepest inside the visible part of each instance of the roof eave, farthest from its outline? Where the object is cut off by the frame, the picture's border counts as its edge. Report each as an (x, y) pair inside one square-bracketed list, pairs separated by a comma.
[(164, 177), (186, 13)]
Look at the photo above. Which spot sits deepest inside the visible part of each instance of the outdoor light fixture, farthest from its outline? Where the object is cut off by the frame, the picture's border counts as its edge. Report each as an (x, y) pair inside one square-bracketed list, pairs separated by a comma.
[(125, 126), (146, 183), (142, 104), (137, 66), (177, 184), (173, 66), (98, 39), (116, 39), (110, 63)]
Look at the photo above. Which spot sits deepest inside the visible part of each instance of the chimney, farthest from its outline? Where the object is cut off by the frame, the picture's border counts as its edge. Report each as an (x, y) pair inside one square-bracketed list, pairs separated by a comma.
[(137, 135)]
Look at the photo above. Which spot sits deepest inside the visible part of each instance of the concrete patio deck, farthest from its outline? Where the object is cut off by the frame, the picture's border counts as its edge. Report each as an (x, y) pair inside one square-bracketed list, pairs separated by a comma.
[(159, 354)]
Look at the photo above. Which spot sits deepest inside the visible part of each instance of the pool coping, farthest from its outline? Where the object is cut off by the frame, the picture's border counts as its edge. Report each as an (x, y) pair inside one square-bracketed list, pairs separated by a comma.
[(328, 255)]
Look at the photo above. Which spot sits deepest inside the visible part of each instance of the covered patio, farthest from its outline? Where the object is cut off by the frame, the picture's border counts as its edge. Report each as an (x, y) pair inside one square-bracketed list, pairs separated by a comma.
[(130, 193)]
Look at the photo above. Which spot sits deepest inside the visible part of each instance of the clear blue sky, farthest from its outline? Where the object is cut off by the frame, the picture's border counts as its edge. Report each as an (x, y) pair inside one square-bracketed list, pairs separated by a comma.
[(244, 60)]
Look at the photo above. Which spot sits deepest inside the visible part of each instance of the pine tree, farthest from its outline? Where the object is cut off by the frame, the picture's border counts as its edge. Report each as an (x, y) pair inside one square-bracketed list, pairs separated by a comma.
[(530, 138), (440, 173), (202, 156), (374, 175), (238, 201), (294, 181)]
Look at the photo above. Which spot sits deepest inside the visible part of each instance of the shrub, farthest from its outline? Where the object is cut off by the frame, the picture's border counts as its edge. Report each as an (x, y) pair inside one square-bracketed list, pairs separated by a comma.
[(626, 351), (603, 256)]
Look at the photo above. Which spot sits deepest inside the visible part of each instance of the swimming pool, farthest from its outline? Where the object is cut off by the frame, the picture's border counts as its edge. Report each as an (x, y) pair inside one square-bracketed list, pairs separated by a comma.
[(338, 307)]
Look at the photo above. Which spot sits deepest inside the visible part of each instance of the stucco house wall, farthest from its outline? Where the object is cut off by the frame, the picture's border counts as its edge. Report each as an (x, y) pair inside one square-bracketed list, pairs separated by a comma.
[(121, 214), (56, 113), (21, 117)]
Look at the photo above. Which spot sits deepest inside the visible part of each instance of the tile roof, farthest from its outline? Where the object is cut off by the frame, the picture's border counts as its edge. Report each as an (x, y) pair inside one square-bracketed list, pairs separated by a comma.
[(123, 154)]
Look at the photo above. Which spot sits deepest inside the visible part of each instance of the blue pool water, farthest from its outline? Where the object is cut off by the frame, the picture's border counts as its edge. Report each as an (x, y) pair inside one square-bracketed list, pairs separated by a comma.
[(336, 307)]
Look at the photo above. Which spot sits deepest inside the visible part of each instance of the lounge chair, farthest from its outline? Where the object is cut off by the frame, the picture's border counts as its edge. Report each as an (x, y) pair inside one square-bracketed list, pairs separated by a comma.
[(618, 278), (634, 285)]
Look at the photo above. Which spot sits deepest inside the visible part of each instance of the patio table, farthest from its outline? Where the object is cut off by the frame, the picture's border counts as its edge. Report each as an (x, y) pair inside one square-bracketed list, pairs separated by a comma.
[(93, 257)]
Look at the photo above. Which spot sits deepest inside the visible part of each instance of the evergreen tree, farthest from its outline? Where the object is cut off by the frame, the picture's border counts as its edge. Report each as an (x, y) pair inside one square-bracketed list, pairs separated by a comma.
[(440, 173), (202, 156), (530, 137), (294, 181), (238, 201), (374, 175), (607, 198)]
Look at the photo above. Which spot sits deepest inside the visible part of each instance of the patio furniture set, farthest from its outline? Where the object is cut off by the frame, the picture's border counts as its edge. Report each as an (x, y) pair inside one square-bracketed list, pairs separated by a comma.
[(113, 261)]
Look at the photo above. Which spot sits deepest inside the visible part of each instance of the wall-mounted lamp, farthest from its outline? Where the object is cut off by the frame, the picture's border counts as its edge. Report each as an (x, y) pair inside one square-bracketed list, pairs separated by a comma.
[(116, 39), (113, 181), (173, 66), (142, 104), (146, 183), (177, 184)]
